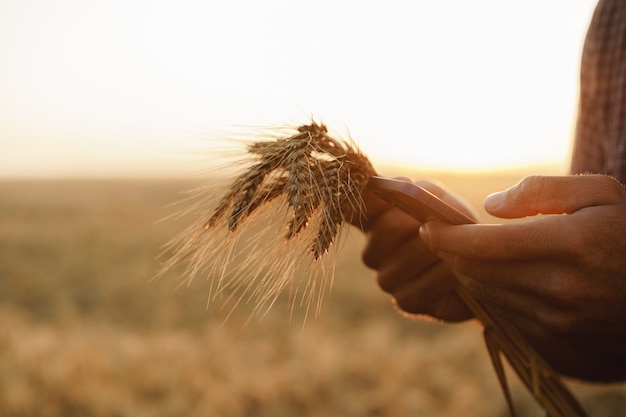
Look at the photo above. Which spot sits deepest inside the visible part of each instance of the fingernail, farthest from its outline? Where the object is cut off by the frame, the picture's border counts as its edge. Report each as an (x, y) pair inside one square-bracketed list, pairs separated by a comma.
[(494, 201), (423, 232)]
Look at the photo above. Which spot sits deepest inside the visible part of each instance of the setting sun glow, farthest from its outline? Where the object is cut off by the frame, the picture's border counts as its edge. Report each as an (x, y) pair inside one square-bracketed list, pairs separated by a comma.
[(132, 88)]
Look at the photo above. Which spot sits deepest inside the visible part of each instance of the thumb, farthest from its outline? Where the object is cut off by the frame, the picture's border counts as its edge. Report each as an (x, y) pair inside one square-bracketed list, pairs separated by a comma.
[(554, 195)]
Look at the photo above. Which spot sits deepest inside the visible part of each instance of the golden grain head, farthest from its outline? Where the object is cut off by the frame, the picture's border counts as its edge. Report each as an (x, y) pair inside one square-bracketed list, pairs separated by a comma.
[(275, 224)]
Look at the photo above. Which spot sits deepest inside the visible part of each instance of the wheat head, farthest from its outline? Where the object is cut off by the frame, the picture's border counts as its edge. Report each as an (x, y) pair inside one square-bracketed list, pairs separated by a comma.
[(276, 224)]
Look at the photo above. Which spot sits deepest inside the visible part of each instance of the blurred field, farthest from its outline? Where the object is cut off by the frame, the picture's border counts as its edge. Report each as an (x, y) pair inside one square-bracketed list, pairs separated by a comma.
[(85, 332)]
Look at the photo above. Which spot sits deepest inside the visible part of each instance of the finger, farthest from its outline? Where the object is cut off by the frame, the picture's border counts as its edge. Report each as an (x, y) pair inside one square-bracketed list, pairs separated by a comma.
[(554, 195), (406, 264), (539, 291), (568, 355), (433, 293), (387, 231), (551, 237), (572, 355), (581, 355), (558, 296), (500, 282)]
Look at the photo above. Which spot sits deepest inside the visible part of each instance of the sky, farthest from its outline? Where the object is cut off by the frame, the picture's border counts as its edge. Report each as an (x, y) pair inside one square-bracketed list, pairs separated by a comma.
[(148, 88)]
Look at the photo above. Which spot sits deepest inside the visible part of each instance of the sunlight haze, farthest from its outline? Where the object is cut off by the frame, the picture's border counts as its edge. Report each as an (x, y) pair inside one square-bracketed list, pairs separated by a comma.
[(141, 88)]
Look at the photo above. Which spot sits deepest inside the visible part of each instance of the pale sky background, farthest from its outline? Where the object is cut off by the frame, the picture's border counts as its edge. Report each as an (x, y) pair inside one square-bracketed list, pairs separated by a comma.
[(143, 87)]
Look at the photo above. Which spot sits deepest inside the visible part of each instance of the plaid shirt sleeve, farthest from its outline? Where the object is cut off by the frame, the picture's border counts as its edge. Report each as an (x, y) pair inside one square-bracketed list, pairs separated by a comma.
[(600, 136)]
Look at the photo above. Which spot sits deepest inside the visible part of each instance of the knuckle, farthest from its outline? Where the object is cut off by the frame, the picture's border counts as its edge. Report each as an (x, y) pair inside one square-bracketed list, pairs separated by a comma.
[(529, 189), (586, 255), (560, 290), (433, 241), (614, 185)]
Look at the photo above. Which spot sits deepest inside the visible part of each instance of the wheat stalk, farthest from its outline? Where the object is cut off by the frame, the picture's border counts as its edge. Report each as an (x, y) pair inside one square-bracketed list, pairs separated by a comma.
[(278, 220)]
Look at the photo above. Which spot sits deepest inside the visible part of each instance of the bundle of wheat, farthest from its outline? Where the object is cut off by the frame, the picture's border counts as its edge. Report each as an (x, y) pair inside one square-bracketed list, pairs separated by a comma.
[(278, 219)]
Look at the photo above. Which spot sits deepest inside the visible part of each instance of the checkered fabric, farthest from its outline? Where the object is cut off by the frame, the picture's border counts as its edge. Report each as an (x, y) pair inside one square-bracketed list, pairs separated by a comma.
[(600, 138)]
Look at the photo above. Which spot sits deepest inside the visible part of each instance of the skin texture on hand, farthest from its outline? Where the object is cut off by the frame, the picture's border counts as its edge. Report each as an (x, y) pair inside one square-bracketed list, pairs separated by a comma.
[(560, 279)]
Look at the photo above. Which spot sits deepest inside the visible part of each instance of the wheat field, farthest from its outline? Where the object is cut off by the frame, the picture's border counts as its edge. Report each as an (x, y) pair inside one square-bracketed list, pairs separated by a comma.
[(85, 331)]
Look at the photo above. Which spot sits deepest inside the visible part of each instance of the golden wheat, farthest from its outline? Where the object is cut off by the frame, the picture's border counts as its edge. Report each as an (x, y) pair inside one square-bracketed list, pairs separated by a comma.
[(276, 219)]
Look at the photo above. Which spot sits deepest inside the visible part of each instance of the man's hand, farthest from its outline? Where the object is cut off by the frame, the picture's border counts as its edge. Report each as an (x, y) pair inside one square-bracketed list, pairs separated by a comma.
[(560, 279), (418, 280)]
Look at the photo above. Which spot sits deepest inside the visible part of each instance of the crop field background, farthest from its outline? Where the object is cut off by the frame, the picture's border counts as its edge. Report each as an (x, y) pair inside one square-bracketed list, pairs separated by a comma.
[(84, 331)]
